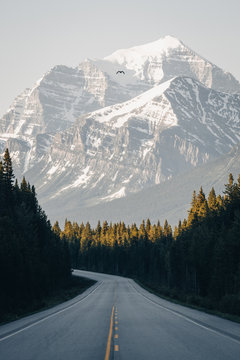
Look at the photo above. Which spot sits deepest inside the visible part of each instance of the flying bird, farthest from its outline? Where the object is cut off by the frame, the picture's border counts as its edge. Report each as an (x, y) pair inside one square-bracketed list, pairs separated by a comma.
[(120, 72)]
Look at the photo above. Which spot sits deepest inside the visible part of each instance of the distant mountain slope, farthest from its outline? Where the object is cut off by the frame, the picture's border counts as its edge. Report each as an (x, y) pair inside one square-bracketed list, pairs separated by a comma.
[(63, 94), (121, 149), (169, 200)]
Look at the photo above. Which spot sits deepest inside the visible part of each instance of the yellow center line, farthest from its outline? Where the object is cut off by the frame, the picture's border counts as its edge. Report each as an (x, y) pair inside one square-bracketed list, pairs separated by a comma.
[(116, 346), (108, 348)]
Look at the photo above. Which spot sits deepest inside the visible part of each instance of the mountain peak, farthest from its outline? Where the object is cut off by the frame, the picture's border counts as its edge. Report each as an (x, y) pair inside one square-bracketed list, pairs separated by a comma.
[(160, 45), (151, 49), (167, 57)]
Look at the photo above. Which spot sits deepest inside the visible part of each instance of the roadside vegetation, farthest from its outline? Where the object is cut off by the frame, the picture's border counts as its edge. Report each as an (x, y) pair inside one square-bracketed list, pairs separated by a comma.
[(197, 263)]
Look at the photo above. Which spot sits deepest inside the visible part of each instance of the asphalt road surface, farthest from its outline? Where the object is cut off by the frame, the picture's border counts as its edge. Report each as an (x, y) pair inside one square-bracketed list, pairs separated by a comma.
[(117, 319)]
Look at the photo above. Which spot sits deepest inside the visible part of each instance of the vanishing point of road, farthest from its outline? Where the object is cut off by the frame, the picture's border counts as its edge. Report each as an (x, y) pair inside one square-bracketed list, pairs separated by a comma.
[(117, 319)]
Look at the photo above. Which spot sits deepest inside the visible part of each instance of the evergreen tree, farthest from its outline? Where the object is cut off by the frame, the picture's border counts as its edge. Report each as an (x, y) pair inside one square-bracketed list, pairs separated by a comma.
[(229, 188), (192, 213), (56, 229), (8, 175), (212, 200)]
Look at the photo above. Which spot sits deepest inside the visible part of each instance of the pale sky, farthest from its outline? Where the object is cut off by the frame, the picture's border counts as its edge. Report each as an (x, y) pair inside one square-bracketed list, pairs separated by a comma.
[(37, 35)]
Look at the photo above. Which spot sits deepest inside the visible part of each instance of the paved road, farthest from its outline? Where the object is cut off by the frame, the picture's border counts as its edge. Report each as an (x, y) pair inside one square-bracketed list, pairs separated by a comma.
[(143, 327)]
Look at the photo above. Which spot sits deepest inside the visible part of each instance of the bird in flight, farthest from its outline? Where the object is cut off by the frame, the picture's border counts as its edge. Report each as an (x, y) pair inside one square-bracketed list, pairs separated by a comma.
[(120, 72)]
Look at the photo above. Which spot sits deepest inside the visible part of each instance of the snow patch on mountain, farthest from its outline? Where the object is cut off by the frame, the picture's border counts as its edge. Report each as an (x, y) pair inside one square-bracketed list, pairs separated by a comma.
[(118, 111), (117, 195)]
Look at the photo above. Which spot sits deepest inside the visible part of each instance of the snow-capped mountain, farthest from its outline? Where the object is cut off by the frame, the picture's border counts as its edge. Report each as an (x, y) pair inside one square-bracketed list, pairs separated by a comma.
[(63, 94), (168, 57), (123, 148)]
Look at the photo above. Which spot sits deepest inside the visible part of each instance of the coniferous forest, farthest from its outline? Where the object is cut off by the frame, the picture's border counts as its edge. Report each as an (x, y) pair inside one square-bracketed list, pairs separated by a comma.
[(198, 262), (34, 261)]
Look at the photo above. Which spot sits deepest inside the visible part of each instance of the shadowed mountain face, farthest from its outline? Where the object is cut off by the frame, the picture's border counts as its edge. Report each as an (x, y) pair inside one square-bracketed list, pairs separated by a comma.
[(103, 135), (169, 200)]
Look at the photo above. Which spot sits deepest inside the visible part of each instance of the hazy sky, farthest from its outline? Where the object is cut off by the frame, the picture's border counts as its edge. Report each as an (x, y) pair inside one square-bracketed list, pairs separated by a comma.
[(35, 35)]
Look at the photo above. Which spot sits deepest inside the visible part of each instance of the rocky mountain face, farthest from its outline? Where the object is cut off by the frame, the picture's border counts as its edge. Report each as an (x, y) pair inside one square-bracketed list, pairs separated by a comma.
[(169, 200), (56, 101), (99, 134), (64, 93), (123, 148)]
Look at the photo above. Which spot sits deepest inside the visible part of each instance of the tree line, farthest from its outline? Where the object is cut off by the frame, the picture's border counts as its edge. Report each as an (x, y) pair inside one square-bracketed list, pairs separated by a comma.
[(197, 262), (34, 261)]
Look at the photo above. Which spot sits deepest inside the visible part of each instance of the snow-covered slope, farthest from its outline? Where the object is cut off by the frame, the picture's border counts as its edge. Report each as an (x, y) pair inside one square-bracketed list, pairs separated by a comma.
[(54, 103), (168, 57), (63, 94), (123, 148)]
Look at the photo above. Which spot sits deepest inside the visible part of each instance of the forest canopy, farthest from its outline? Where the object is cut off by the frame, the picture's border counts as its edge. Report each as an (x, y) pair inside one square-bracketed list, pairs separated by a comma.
[(33, 259)]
